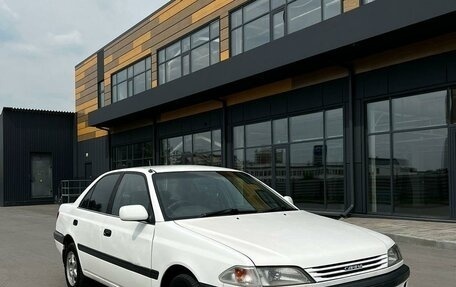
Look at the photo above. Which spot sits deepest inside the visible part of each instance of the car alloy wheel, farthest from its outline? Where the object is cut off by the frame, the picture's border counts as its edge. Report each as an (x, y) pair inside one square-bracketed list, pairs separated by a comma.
[(71, 268)]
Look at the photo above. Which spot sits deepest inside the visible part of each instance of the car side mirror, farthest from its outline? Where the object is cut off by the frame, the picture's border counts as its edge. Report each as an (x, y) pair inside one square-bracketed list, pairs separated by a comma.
[(289, 199), (133, 213)]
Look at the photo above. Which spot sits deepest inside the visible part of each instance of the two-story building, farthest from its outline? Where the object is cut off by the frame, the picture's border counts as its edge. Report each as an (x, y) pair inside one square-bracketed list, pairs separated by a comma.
[(349, 107)]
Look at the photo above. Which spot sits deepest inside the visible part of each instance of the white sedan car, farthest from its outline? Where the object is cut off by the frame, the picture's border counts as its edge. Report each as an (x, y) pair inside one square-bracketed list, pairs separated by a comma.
[(208, 226)]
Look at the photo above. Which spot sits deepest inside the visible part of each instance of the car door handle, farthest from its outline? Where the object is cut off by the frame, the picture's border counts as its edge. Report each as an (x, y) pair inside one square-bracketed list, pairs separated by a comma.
[(107, 233)]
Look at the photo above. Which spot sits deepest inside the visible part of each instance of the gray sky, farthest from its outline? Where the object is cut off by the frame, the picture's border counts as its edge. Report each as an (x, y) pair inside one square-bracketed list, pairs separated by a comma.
[(41, 41)]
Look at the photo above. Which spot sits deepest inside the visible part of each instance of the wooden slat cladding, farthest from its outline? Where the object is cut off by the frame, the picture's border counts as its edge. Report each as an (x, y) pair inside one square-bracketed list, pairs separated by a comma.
[(86, 98), (430, 47), (351, 4)]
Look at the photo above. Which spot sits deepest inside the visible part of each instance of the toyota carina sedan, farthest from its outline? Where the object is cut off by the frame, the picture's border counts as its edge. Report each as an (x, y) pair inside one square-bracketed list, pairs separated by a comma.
[(209, 226)]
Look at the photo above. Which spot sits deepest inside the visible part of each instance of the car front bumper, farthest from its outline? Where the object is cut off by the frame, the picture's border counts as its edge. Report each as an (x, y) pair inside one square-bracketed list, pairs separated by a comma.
[(396, 278)]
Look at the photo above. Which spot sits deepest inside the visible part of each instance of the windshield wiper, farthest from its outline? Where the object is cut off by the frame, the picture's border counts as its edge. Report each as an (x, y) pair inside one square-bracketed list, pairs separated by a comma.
[(228, 211)]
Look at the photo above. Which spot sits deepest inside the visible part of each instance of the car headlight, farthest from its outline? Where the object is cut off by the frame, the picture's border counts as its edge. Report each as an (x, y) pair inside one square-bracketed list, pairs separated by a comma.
[(265, 276), (394, 255)]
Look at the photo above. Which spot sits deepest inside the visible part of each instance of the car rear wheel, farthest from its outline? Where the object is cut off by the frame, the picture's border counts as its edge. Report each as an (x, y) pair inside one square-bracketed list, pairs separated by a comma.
[(73, 272), (184, 280)]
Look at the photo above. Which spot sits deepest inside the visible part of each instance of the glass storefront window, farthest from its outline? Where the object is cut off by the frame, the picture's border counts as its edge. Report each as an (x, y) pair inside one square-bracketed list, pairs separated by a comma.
[(258, 134), (139, 154), (379, 164), (306, 127), (421, 173), (378, 117), (424, 110), (301, 160), (199, 148), (408, 165), (334, 120)]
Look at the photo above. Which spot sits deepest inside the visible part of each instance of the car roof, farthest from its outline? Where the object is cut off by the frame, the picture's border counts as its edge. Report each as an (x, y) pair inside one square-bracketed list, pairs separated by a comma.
[(173, 168)]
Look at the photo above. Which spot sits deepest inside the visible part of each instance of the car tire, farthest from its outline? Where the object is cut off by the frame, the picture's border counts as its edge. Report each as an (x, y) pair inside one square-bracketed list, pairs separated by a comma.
[(184, 280), (72, 266)]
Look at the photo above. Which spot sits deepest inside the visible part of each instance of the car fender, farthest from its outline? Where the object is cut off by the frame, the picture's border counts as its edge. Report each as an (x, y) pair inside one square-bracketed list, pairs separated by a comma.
[(176, 245)]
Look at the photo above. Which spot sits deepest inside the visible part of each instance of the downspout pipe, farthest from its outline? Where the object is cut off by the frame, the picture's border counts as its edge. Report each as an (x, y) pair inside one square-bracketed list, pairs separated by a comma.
[(351, 138)]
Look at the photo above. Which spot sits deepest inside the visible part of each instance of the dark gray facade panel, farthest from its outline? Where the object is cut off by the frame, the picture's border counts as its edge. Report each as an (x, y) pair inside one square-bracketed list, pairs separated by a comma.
[(94, 152), (2, 179), (419, 74), (31, 132), (451, 68), (192, 124), (100, 66), (422, 74), (139, 135)]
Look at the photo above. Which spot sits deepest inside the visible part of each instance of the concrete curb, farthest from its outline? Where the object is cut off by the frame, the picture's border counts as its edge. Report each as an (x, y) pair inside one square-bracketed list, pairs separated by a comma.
[(423, 242)]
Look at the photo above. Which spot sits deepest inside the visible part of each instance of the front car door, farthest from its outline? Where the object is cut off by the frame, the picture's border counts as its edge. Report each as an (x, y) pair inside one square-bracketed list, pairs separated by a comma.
[(128, 244), (87, 223)]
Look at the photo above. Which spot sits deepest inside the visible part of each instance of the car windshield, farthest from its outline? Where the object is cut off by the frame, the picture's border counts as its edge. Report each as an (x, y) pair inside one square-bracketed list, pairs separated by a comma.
[(196, 194)]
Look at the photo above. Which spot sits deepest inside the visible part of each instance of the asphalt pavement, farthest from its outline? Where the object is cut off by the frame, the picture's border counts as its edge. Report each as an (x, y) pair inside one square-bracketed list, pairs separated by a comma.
[(28, 256)]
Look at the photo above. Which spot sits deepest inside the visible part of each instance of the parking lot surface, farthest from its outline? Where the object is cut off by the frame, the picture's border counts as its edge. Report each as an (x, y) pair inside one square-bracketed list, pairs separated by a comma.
[(28, 256)]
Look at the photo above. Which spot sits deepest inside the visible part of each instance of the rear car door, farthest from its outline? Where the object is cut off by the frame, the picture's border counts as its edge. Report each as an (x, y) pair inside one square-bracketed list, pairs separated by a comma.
[(88, 220), (128, 244)]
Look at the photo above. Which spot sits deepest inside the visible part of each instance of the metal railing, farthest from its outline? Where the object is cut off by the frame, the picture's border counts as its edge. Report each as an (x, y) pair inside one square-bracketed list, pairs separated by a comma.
[(71, 189)]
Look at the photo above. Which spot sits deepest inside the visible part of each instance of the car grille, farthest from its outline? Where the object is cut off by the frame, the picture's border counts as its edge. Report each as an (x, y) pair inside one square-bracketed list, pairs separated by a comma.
[(346, 269)]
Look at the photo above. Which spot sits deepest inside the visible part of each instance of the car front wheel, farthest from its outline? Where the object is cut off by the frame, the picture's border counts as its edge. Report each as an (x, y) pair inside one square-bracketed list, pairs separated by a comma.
[(184, 280), (73, 272)]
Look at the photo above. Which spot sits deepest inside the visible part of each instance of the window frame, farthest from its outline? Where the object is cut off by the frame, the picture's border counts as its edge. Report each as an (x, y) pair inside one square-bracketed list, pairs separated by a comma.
[(92, 189), (101, 95), (151, 219), (391, 132), (188, 52), (130, 79), (271, 12)]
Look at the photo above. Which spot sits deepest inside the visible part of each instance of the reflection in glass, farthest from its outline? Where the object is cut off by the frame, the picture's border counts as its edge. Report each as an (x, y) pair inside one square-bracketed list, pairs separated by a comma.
[(258, 163), (256, 33), (239, 159), (238, 137), (379, 162), (202, 142), (421, 173), (307, 174), (258, 134), (331, 8), (216, 140), (335, 173), (255, 9), (236, 42), (334, 123), (378, 117), (200, 57), (302, 14), (173, 69), (173, 50), (200, 37), (424, 110), (279, 25), (306, 127), (281, 176), (280, 131)]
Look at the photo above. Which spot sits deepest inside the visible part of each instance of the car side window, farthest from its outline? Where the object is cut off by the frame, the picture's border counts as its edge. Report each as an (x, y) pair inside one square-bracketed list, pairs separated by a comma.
[(102, 193), (85, 201), (132, 190)]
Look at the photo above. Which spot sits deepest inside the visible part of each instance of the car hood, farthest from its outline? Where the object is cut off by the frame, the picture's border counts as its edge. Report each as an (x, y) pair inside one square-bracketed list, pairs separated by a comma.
[(291, 238)]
